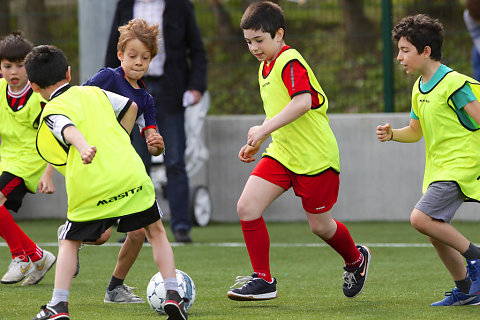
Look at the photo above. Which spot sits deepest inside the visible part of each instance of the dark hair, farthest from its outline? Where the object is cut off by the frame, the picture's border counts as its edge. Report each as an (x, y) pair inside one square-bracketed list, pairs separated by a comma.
[(265, 16), (14, 47), (421, 31), (46, 65), (473, 7)]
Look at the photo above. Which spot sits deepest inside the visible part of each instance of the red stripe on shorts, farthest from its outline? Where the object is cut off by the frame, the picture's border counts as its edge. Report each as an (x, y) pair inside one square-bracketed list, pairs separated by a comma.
[(15, 182)]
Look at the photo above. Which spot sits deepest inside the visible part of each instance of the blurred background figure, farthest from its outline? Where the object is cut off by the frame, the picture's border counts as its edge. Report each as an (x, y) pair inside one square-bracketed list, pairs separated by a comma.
[(471, 16), (176, 78)]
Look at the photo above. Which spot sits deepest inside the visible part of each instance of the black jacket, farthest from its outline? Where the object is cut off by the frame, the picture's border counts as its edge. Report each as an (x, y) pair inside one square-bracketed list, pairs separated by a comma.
[(185, 63)]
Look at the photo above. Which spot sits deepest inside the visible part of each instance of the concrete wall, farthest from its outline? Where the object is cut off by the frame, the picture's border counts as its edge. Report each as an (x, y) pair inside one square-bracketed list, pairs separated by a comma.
[(379, 181), (95, 20)]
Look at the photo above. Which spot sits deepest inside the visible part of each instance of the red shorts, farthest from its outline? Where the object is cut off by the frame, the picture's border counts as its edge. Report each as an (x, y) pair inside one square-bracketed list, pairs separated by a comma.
[(318, 192)]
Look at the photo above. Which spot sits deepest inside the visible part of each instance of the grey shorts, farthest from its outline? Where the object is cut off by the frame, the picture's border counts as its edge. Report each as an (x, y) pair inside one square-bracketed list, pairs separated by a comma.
[(441, 200)]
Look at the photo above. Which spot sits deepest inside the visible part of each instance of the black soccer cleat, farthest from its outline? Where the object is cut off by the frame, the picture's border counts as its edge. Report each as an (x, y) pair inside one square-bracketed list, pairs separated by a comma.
[(354, 280), (174, 306), (57, 312), (253, 288)]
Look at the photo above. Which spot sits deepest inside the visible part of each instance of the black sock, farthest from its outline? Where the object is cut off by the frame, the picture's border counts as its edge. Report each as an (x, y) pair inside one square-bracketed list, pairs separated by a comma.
[(464, 285), (114, 282), (472, 253)]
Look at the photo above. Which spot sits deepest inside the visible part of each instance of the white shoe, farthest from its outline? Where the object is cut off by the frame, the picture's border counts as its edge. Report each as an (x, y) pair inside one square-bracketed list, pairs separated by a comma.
[(17, 270), (40, 268)]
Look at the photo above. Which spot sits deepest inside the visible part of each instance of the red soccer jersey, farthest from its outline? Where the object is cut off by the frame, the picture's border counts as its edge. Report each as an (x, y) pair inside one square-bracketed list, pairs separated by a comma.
[(295, 78)]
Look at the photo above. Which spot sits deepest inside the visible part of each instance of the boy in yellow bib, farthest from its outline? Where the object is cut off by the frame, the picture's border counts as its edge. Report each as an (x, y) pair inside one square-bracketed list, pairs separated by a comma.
[(21, 168), (303, 155), (446, 112), (85, 130)]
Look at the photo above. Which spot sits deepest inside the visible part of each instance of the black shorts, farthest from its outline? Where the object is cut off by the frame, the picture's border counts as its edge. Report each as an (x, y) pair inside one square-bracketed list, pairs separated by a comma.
[(90, 231), (14, 189)]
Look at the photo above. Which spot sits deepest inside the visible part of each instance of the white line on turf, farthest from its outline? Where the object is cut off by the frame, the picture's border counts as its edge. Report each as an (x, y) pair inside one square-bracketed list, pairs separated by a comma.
[(241, 244)]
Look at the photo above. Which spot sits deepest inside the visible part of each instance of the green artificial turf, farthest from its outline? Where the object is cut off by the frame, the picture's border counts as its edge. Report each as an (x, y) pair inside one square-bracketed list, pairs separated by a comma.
[(405, 276)]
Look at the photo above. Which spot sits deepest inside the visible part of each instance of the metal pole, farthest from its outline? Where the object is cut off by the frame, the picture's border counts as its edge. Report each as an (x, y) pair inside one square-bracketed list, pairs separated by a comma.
[(387, 56)]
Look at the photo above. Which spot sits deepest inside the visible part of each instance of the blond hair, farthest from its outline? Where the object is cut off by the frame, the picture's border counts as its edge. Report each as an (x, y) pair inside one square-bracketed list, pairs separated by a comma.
[(141, 30)]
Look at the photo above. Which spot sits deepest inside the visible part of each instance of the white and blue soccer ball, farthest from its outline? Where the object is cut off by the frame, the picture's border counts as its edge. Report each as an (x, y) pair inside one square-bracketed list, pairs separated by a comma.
[(156, 291)]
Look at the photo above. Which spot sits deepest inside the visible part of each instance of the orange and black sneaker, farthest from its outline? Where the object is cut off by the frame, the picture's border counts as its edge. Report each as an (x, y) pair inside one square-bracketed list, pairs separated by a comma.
[(354, 280)]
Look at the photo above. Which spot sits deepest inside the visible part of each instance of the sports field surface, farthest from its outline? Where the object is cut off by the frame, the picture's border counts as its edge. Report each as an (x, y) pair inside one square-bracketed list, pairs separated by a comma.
[(405, 276)]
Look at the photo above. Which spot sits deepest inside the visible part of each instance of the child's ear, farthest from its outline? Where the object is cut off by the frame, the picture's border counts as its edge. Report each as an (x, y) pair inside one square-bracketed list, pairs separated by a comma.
[(35, 87), (120, 55), (279, 34), (68, 74), (427, 52)]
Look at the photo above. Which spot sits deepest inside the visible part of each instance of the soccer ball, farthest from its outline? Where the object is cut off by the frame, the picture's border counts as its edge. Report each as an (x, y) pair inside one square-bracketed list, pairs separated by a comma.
[(156, 291)]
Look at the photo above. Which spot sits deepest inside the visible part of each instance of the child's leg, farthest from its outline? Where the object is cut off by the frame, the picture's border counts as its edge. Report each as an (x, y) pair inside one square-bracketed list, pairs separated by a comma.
[(129, 252), (174, 304), (440, 231), (336, 235), (66, 263), (162, 251), (11, 232), (257, 195), (434, 211), (126, 258), (453, 261)]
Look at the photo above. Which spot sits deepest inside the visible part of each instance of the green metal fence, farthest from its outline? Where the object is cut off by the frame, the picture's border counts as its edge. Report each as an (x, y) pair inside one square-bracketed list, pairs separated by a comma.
[(346, 42), (356, 66)]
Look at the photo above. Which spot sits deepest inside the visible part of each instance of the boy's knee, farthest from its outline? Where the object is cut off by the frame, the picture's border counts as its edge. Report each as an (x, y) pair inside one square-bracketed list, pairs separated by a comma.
[(324, 231), (245, 211), (419, 220), (137, 235), (241, 209)]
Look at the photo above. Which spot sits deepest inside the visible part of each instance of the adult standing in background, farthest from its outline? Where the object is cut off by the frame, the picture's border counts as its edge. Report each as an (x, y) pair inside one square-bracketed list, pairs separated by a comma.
[(471, 16), (177, 76)]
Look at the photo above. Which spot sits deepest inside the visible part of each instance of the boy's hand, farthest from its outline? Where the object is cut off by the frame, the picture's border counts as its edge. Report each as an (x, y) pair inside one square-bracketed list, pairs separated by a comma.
[(255, 135), (155, 143), (88, 154), (247, 152), (45, 185), (384, 133)]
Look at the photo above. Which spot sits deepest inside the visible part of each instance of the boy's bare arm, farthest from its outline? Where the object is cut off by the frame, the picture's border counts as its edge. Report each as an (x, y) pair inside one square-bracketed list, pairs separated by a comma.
[(411, 133), (74, 137), (297, 107), (129, 117), (473, 109)]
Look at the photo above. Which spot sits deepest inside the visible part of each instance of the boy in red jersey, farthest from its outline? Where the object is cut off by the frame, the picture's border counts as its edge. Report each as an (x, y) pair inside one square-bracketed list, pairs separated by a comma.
[(21, 168), (303, 155)]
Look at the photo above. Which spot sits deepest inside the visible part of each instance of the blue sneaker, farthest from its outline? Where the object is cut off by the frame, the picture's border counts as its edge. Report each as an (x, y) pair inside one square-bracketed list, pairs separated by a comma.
[(457, 298), (473, 269), (253, 288)]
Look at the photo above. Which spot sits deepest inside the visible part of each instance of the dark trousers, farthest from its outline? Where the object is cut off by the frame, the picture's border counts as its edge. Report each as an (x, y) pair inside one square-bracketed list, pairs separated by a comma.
[(172, 128)]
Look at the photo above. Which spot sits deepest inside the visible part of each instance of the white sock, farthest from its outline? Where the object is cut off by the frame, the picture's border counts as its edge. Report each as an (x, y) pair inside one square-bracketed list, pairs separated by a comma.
[(59, 295), (171, 284)]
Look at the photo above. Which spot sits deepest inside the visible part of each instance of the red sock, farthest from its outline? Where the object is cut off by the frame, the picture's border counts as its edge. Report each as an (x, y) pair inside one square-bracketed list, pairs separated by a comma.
[(16, 239), (257, 241), (36, 254), (343, 243)]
